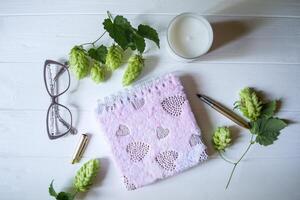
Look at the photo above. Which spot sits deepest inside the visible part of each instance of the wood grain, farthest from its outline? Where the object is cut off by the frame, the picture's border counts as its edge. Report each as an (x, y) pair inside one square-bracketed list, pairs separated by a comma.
[(220, 81), (290, 8), (237, 39)]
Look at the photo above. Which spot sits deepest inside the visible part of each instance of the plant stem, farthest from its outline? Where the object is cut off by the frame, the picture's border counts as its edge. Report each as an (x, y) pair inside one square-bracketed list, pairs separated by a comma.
[(110, 16), (224, 158), (236, 163), (75, 193), (231, 174), (93, 43)]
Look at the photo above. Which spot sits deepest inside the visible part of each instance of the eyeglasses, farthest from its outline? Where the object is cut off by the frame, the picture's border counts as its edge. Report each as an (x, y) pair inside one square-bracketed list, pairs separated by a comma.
[(57, 82)]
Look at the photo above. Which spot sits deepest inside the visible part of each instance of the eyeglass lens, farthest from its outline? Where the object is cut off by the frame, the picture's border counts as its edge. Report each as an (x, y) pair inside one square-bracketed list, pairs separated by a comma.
[(57, 79), (59, 118)]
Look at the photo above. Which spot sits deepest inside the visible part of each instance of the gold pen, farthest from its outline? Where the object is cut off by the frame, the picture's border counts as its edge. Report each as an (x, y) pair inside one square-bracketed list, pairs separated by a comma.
[(81, 146), (226, 112)]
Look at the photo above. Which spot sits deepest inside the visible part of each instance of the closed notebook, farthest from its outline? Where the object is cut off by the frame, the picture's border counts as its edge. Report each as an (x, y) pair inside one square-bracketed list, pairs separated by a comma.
[(152, 131)]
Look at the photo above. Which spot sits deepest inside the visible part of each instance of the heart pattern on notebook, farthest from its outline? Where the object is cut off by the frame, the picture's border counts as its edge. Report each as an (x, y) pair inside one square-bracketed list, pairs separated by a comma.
[(203, 156), (128, 185), (173, 105), (167, 160), (162, 132), (122, 130), (138, 103), (194, 140), (152, 131), (137, 151)]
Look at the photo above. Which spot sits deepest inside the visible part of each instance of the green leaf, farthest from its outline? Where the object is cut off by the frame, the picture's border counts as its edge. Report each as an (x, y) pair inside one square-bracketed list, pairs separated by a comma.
[(61, 195), (122, 22), (117, 32), (126, 36), (149, 33), (51, 190), (65, 196), (267, 130), (268, 109), (102, 51), (139, 42), (99, 53), (92, 53), (132, 46)]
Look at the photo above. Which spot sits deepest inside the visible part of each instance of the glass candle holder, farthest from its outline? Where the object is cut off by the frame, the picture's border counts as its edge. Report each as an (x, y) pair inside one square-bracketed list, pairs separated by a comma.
[(189, 36)]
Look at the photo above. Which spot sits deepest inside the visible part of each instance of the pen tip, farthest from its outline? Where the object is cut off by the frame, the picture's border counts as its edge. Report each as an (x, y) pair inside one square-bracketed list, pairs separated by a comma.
[(199, 95)]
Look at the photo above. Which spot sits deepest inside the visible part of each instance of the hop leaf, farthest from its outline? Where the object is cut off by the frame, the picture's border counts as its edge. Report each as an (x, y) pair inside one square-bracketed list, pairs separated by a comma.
[(61, 195), (267, 130), (65, 196), (269, 109), (85, 175), (79, 62), (114, 57), (249, 104), (97, 72), (221, 138), (99, 53), (51, 190), (121, 31), (139, 42), (149, 33), (134, 69)]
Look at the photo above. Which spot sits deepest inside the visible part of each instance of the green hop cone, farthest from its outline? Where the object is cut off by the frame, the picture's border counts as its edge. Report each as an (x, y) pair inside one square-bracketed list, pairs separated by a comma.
[(85, 175), (249, 104), (97, 72), (221, 138), (134, 69), (114, 57), (79, 62)]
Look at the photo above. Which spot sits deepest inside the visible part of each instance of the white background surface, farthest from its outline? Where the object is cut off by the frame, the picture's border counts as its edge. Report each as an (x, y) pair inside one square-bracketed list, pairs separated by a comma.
[(257, 44)]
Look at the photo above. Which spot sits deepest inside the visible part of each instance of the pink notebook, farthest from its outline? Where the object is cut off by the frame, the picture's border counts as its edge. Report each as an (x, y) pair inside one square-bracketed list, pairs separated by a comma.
[(152, 131)]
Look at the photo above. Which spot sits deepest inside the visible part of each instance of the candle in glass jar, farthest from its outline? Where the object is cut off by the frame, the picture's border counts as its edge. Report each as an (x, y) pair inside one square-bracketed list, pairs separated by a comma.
[(189, 36)]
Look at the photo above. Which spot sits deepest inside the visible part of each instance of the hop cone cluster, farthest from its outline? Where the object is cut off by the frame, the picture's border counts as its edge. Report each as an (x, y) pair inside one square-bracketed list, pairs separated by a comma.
[(79, 62), (97, 72), (85, 175), (134, 69), (221, 138), (114, 57), (249, 104)]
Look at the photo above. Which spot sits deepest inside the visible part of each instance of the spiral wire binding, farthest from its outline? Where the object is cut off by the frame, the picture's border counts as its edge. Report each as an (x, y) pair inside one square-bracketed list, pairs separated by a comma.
[(110, 102)]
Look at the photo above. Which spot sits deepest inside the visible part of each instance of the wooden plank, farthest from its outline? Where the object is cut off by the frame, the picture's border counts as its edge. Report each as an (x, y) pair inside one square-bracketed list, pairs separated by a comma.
[(24, 135), (237, 39), (233, 7), (29, 178), (23, 87)]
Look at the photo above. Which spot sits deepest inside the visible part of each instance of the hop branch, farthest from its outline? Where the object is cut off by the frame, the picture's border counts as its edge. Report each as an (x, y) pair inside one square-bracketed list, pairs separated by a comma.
[(264, 127), (83, 180), (97, 61)]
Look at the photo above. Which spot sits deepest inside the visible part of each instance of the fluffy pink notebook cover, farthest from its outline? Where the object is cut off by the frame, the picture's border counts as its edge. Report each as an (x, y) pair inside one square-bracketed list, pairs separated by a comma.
[(152, 131)]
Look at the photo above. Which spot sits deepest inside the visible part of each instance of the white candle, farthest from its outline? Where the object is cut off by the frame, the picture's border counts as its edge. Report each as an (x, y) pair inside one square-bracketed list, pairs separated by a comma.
[(189, 36)]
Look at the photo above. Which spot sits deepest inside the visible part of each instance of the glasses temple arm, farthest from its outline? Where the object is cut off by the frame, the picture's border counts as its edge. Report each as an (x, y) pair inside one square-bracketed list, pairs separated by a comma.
[(62, 70)]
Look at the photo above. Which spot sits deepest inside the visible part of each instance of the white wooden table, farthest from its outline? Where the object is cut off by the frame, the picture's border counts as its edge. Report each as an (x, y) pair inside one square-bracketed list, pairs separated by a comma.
[(257, 44)]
